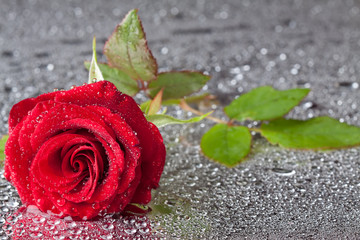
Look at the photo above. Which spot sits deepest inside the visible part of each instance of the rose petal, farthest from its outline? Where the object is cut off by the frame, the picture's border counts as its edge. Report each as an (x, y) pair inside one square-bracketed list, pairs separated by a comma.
[(21, 110), (21, 151), (16, 166), (129, 142), (153, 150), (121, 200), (102, 93), (60, 118), (46, 167), (104, 190), (152, 169)]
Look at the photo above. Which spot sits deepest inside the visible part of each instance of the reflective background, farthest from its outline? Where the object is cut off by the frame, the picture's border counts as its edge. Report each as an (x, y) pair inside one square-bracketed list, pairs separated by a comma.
[(277, 193)]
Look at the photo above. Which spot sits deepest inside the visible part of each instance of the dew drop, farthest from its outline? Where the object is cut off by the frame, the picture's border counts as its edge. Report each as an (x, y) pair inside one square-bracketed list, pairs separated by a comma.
[(61, 202), (283, 171)]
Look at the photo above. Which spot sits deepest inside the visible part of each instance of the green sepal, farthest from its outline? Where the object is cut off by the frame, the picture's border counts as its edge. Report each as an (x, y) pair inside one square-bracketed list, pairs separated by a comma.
[(94, 70), (145, 106), (120, 79), (155, 104), (3, 140)]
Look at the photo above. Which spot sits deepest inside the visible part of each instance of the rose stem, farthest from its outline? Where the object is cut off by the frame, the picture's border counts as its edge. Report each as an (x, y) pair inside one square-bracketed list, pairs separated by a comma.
[(186, 107)]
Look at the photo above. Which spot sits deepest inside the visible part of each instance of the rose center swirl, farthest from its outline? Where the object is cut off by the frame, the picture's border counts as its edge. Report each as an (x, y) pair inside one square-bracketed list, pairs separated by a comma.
[(72, 164)]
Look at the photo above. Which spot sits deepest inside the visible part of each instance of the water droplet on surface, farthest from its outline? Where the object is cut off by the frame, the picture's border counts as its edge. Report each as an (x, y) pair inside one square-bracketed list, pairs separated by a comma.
[(282, 56), (61, 202), (164, 50), (283, 171), (249, 199), (50, 67)]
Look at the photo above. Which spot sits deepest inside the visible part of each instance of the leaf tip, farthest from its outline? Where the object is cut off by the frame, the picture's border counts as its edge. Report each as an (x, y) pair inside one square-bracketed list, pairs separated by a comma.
[(207, 76), (134, 10), (126, 49), (155, 104)]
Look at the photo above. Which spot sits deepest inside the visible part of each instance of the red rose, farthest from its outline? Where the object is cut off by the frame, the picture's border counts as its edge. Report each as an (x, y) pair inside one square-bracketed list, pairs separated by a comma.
[(83, 151)]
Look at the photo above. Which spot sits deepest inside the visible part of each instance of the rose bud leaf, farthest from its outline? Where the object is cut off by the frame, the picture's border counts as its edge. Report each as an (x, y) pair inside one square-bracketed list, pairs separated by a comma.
[(316, 133), (94, 70), (127, 49), (161, 120), (178, 84), (265, 103), (155, 104), (3, 140), (123, 82), (228, 145)]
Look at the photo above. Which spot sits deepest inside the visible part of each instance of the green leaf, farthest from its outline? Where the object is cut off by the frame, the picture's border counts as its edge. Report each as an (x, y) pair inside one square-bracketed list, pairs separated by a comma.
[(189, 99), (145, 106), (120, 79), (2, 148), (177, 101), (160, 209), (127, 49), (178, 84), (226, 144), (265, 103), (316, 133), (94, 71), (161, 120)]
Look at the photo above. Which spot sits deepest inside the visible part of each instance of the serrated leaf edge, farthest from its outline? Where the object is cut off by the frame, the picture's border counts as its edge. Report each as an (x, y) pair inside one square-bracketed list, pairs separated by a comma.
[(146, 45)]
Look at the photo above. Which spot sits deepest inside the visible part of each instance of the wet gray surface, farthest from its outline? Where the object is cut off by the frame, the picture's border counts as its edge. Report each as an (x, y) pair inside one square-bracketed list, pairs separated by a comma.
[(277, 193)]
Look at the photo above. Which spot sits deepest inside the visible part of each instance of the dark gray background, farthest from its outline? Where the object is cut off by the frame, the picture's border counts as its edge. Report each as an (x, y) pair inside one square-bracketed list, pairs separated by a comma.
[(242, 44)]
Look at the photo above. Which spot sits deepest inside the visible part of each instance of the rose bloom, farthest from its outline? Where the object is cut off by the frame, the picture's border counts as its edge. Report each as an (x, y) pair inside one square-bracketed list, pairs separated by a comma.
[(78, 152)]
